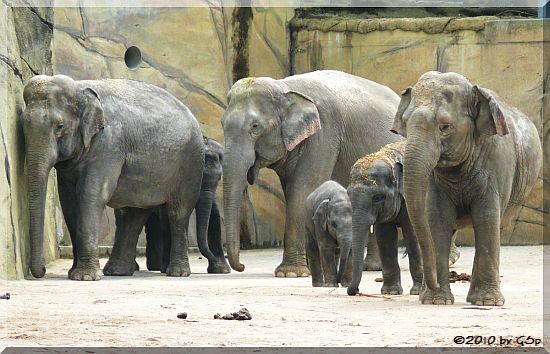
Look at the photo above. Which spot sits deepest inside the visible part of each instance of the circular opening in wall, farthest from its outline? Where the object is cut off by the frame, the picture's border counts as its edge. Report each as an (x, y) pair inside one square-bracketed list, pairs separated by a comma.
[(132, 57)]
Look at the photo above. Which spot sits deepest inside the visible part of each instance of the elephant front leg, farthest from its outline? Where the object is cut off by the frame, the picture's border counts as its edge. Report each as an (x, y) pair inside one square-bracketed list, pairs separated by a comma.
[(89, 221), (455, 252), (372, 260), (129, 223), (69, 205), (485, 282), (386, 238), (442, 219), (313, 259), (413, 252), (294, 258), (219, 264), (328, 263)]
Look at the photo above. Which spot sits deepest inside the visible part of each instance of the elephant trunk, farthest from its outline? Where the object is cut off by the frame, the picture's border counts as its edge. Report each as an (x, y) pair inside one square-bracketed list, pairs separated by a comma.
[(360, 231), (421, 156), (38, 168), (345, 249), (236, 168), (203, 210)]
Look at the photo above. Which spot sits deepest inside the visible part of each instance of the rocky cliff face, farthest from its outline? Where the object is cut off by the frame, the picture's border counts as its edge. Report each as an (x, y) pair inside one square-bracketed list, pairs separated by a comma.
[(25, 50)]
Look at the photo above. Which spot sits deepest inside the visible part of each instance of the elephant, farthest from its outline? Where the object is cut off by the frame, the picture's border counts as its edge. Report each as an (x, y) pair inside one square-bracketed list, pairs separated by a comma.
[(328, 229), (471, 159), (308, 128), (122, 143), (208, 220), (376, 195)]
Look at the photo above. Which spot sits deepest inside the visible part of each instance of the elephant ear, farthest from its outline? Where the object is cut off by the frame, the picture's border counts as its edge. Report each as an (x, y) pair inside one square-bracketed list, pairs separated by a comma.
[(490, 120), (399, 126), (320, 217), (301, 119), (91, 115)]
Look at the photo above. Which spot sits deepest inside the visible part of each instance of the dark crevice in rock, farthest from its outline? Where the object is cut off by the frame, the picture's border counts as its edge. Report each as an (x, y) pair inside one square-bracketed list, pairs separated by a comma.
[(12, 66), (293, 35), (30, 67), (242, 17), (43, 20), (81, 11)]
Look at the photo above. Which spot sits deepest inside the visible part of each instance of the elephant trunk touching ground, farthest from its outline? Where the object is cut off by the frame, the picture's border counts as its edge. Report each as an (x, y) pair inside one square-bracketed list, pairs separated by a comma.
[(38, 168), (236, 165), (421, 156), (361, 226)]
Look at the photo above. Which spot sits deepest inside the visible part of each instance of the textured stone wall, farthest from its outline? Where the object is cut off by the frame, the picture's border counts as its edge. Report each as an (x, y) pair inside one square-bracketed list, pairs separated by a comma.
[(189, 52), (25, 37), (498, 53)]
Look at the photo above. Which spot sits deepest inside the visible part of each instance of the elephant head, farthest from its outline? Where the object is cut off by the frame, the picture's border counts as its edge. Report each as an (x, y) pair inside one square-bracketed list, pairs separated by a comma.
[(333, 218), (444, 116), (264, 121), (375, 192), (59, 121)]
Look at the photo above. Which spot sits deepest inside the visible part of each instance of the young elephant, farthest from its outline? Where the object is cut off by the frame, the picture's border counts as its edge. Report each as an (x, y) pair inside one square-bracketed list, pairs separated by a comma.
[(208, 220), (376, 195), (470, 159), (328, 227)]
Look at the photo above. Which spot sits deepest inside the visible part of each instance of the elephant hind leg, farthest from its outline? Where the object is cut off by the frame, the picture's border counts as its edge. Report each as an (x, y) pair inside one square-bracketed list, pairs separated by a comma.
[(178, 218), (154, 248), (129, 223)]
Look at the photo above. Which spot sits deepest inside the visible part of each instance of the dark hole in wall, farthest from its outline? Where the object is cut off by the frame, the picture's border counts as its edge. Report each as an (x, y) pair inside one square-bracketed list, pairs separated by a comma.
[(132, 57)]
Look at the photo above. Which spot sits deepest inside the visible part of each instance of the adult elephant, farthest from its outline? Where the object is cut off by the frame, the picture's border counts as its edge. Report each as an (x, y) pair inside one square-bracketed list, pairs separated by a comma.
[(470, 159), (126, 144), (308, 128)]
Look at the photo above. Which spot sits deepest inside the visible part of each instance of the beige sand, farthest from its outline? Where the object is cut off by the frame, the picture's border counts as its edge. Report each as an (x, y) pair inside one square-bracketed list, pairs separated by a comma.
[(141, 310)]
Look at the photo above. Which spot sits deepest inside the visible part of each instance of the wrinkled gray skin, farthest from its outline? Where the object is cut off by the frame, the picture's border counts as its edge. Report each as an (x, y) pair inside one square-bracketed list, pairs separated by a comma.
[(208, 220), (121, 143), (328, 230), (308, 128), (376, 195), (470, 159)]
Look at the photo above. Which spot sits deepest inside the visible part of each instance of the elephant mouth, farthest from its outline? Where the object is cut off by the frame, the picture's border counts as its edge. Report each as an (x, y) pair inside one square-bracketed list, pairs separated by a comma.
[(253, 172)]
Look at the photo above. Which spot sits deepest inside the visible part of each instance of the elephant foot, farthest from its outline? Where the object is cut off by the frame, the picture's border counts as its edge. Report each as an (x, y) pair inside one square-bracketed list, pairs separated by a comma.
[(85, 273), (454, 255), (353, 290), (317, 284), (218, 267), (391, 289), (291, 270), (330, 284), (372, 263), (415, 290), (178, 270), (439, 296), (117, 267), (153, 265), (485, 296), (345, 282)]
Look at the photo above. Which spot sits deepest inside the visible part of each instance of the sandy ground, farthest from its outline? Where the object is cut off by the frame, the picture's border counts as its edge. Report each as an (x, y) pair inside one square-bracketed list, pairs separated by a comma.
[(142, 310)]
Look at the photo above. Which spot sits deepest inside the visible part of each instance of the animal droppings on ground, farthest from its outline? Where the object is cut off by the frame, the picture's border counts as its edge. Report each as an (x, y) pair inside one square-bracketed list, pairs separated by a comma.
[(242, 315), (6, 296), (182, 315), (379, 280), (462, 277)]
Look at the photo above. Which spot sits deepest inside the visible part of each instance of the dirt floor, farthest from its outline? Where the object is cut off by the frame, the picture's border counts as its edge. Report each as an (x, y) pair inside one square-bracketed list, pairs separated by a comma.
[(142, 310)]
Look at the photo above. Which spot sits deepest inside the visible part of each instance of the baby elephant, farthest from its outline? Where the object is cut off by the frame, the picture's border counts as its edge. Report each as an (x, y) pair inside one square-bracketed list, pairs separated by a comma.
[(376, 194), (328, 228)]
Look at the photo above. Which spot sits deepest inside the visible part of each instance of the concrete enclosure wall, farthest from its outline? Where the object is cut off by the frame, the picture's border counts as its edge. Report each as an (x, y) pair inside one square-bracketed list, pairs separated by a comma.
[(197, 53)]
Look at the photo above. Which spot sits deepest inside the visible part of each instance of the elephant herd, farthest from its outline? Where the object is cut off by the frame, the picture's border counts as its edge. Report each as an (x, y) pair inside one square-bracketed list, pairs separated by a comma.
[(351, 155)]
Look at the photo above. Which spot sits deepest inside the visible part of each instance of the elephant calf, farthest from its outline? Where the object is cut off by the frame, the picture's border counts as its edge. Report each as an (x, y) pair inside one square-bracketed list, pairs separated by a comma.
[(328, 227), (376, 195)]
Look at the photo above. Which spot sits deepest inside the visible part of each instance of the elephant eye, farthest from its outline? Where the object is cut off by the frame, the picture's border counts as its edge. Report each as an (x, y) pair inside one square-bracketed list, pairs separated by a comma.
[(60, 126), (444, 127), (378, 198), (255, 125)]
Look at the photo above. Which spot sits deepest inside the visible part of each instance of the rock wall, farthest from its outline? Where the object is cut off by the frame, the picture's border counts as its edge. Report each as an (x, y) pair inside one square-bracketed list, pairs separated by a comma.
[(25, 38), (498, 53)]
